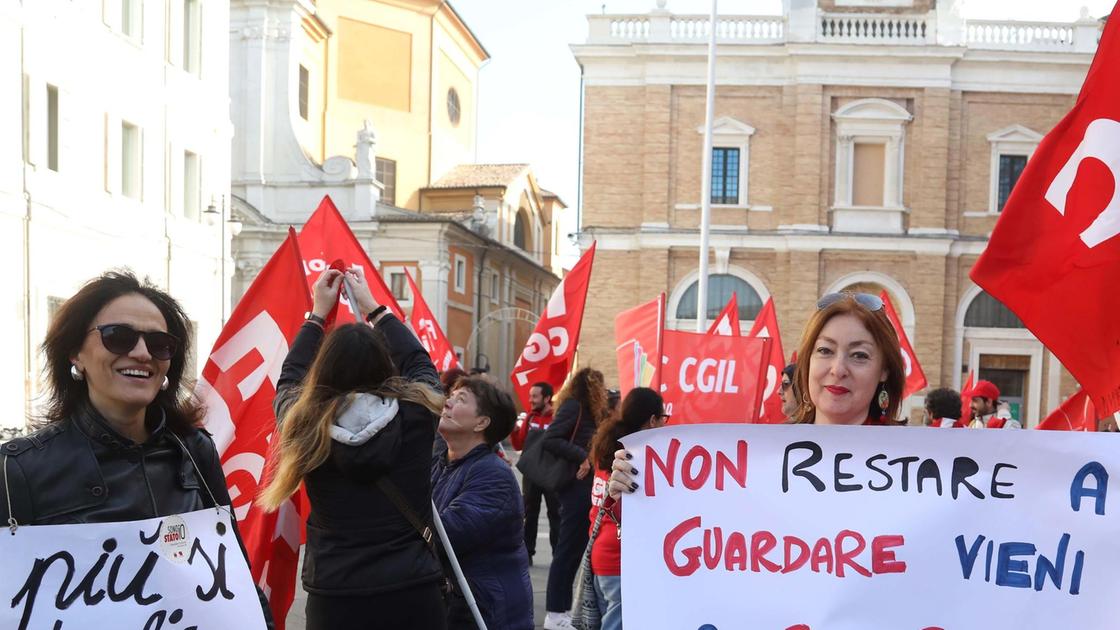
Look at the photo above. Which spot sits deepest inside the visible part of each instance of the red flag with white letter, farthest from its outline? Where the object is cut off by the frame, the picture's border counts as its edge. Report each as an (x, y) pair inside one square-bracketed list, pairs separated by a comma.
[(638, 337), (426, 327), (1077, 413), (766, 327), (327, 237), (548, 353), (1054, 255), (728, 321), (237, 386), (712, 378), (915, 376)]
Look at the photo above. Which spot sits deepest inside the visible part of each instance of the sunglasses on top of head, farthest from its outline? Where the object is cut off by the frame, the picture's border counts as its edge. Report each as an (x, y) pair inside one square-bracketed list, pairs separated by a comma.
[(866, 300), (122, 338)]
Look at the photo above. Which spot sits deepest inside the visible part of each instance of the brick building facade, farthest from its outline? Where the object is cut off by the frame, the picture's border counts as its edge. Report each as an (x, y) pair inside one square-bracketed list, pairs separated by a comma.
[(854, 147)]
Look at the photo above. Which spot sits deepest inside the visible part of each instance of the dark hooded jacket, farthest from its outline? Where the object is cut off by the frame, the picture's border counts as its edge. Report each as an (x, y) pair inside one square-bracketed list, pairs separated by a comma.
[(480, 504), (358, 542)]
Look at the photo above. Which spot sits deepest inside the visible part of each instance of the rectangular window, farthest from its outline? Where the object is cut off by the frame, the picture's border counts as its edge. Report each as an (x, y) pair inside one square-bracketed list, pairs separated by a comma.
[(725, 176), (192, 35), (304, 91), (192, 185), (399, 285), (52, 128), (1010, 168), (130, 160), (494, 288), (460, 274), (386, 173), (868, 170)]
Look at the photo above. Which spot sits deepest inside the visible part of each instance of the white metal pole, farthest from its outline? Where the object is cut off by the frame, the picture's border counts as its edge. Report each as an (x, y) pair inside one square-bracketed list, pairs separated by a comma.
[(459, 577), (706, 180)]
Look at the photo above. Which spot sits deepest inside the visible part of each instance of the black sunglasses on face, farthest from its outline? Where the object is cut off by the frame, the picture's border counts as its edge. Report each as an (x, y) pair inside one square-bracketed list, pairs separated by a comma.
[(866, 300), (122, 338)]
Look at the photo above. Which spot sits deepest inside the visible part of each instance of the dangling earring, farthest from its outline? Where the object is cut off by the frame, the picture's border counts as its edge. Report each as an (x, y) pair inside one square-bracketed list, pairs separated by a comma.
[(76, 374), (166, 382), (884, 401)]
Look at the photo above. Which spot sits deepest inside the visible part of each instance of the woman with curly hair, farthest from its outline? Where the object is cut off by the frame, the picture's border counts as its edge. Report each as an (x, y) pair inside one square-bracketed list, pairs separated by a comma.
[(582, 405)]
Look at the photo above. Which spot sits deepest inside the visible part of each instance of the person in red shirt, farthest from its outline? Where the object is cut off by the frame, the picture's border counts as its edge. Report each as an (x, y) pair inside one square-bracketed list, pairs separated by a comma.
[(642, 409), (538, 419)]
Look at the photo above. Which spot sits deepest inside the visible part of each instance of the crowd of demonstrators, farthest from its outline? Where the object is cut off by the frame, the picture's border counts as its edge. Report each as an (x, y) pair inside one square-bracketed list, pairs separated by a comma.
[(582, 405), (943, 409), (642, 409), (535, 422), (479, 504), (120, 440), (357, 413)]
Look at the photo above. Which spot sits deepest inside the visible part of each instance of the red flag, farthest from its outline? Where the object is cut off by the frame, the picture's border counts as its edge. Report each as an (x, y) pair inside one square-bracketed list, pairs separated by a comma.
[(915, 377), (766, 327), (426, 327), (966, 401), (238, 384), (1077, 413), (326, 237), (1053, 257), (713, 378), (728, 321), (638, 338), (548, 353)]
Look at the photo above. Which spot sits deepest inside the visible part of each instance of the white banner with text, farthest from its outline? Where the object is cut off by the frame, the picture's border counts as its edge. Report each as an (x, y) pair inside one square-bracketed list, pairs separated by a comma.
[(179, 571), (801, 527)]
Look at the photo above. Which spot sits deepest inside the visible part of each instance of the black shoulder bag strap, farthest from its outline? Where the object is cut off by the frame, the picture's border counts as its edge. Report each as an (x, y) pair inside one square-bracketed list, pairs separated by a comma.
[(390, 490)]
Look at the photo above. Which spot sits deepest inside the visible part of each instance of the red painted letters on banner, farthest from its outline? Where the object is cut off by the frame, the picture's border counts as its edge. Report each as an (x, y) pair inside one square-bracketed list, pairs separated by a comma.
[(238, 384)]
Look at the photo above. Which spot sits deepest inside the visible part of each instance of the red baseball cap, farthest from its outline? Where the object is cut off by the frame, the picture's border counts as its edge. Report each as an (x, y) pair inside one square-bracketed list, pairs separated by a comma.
[(983, 389)]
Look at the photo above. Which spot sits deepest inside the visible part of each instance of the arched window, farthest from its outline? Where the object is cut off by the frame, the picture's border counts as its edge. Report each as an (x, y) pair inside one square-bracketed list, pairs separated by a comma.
[(720, 288), (521, 231), (987, 312)]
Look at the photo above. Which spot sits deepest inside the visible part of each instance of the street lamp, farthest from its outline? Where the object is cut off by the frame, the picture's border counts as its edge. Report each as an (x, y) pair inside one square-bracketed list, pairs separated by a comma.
[(215, 214)]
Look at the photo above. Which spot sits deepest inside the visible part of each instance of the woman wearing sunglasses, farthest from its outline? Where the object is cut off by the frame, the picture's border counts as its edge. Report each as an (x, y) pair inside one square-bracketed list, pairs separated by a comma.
[(641, 409), (850, 371), (120, 441)]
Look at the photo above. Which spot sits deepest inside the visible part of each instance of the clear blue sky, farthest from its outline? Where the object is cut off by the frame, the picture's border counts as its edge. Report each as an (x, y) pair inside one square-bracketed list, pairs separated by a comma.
[(529, 91)]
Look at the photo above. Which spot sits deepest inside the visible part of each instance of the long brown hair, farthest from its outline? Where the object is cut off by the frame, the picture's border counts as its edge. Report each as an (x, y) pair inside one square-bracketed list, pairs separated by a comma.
[(882, 332), (586, 387), (640, 404), (354, 358), (68, 331)]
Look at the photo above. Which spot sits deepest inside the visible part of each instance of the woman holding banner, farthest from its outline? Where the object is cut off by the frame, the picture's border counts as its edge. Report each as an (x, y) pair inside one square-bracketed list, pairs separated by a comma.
[(641, 409), (121, 440), (853, 375), (357, 412), (582, 406)]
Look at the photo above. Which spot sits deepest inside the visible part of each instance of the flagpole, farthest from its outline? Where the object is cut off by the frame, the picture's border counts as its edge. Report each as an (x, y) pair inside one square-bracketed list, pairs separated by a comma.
[(706, 180)]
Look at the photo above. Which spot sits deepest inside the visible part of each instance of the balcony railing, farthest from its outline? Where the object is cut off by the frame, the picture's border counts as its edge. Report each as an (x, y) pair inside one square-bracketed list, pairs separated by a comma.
[(662, 27)]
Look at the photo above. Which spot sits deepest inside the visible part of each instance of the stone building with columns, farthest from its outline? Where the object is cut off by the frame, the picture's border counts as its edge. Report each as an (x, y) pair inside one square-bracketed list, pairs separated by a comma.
[(373, 103), (858, 144)]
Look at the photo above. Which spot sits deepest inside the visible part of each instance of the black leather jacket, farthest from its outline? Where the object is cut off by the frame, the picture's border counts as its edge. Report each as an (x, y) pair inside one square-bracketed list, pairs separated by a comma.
[(80, 470)]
